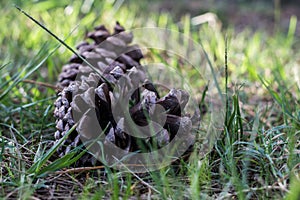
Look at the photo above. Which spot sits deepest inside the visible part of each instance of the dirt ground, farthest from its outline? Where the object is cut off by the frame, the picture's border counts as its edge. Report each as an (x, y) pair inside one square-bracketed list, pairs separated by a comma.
[(253, 14)]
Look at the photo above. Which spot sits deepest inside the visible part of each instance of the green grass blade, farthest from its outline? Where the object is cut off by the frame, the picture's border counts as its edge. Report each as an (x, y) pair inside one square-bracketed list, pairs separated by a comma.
[(36, 167), (62, 162), (62, 42), (294, 193), (20, 79), (32, 104), (4, 65)]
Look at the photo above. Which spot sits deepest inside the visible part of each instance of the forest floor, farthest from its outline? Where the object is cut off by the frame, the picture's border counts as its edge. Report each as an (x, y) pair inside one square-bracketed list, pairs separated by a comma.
[(257, 154)]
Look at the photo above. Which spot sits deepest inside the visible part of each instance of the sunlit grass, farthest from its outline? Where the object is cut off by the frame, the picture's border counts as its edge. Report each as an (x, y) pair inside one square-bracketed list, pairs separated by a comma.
[(257, 154)]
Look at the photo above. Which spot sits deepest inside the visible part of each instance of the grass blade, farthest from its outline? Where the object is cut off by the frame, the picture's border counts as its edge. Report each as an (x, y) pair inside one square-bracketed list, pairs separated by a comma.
[(61, 42), (36, 167), (20, 79)]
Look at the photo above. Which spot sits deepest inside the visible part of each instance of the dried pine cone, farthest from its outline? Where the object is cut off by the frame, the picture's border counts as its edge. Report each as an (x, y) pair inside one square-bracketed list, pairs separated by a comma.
[(101, 55), (93, 99)]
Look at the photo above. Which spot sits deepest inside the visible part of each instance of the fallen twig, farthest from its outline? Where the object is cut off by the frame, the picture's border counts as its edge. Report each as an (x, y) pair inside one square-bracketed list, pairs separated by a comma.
[(41, 84), (79, 169)]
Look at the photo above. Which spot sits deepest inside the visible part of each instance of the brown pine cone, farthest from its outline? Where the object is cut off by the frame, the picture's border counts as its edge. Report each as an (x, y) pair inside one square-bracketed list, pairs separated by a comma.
[(100, 99), (101, 55)]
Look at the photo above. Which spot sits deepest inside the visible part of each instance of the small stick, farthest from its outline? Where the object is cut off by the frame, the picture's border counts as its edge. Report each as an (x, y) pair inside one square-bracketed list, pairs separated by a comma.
[(42, 84), (79, 169)]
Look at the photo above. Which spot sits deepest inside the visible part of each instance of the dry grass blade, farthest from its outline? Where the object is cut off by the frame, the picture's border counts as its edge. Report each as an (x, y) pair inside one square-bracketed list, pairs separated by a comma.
[(79, 169), (48, 85)]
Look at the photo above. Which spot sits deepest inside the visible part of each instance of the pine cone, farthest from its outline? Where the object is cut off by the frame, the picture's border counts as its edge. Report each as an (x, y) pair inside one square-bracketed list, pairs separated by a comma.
[(93, 98), (101, 55)]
